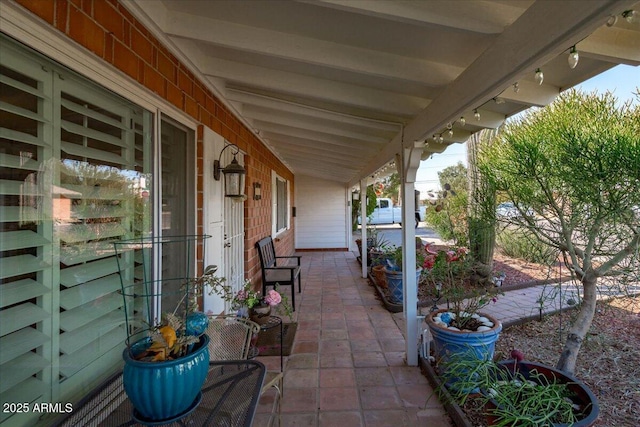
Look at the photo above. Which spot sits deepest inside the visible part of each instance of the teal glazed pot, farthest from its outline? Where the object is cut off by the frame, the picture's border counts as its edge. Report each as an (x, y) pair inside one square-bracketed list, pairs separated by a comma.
[(395, 283), (165, 390)]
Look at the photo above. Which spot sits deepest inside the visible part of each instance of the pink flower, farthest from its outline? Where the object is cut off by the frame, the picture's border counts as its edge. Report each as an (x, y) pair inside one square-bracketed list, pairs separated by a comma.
[(429, 262), (242, 295), (273, 298)]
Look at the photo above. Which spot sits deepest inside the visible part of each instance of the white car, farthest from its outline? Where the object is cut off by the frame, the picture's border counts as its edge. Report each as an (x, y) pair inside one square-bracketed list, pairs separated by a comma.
[(509, 210)]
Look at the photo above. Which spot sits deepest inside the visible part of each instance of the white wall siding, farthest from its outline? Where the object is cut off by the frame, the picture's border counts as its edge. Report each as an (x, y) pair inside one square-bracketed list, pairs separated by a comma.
[(321, 214)]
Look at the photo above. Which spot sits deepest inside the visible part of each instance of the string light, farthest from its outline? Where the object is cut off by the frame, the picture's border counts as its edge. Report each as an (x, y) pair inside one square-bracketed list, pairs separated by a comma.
[(450, 133), (516, 87), (476, 114), (631, 16), (539, 77), (462, 121), (573, 57)]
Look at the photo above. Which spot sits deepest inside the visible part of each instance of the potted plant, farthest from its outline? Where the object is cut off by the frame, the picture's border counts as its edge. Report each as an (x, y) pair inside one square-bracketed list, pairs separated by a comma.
[(393, 270), (518, 392), (166, 358), (257, 307), (461, 326)]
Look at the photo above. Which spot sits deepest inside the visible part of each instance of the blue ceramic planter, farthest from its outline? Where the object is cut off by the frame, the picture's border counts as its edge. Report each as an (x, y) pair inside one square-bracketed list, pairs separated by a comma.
[(394, 283), (165, 390), (475, 344)]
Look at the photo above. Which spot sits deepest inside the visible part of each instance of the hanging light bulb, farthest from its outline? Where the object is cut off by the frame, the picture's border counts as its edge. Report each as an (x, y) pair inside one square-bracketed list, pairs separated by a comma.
[(573, 57), (463, 121), (539, 76), (450, 133), (476, 114), (631, 16), (516, 87), (440, 139)]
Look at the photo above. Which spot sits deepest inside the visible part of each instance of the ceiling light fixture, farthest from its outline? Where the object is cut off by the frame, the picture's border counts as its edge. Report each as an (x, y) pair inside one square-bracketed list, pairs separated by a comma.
[(476, 114), (539, 76), (573, 57)]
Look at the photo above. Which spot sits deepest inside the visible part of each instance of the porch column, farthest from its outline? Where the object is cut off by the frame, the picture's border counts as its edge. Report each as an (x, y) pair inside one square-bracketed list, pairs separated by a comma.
[(363, 222), (410, 162)]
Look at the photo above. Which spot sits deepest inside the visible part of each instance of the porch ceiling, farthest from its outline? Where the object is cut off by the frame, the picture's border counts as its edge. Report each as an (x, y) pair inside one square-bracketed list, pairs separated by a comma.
[(337, 87)]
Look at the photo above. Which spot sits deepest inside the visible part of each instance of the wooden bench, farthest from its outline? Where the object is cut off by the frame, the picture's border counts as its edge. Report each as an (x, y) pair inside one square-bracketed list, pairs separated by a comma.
[(277, 271)]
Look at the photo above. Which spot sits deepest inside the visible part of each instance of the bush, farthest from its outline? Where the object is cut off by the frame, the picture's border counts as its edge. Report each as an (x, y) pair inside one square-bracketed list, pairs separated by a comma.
[(523, 244)]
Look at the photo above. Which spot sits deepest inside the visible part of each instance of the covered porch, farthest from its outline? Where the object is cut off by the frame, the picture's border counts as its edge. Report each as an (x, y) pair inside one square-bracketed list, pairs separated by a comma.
[(348, 362)]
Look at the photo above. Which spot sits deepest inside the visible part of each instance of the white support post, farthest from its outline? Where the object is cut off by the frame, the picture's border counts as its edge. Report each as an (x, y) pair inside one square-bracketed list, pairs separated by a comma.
[(410, 163), (363, 221)]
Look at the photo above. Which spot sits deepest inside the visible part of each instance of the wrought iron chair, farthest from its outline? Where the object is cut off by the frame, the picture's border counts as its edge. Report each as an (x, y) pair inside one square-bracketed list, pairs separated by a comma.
[(230, 338)]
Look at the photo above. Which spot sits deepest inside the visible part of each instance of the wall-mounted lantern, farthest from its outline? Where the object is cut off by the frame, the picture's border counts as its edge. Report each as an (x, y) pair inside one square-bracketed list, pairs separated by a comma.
[(234, 174), (257, 191), (355, 195)]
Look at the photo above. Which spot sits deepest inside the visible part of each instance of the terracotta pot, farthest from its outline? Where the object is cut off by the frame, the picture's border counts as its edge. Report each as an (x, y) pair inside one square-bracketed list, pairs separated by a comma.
[(378, 274)]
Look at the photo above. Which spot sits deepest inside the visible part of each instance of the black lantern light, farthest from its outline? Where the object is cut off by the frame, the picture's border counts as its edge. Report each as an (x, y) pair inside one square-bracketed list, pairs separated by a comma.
[(233, 174)]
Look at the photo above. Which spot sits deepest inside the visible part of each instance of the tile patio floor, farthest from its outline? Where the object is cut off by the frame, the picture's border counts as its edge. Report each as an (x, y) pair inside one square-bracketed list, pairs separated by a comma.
[(347, 365)]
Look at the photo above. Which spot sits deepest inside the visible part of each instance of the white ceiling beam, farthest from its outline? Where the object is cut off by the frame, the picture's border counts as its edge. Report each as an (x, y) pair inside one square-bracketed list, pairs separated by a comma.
[(279, 105), (240, 76), (612, 44), (540, 34), (311, 125), (358, 150), (321, 137), (481, 17), (287, 46), (531, 94), (299, 149)]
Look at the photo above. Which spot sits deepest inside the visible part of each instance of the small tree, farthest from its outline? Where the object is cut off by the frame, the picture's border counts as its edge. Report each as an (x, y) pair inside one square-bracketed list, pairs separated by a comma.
[(355, 209), (448, 215), (573, 171)]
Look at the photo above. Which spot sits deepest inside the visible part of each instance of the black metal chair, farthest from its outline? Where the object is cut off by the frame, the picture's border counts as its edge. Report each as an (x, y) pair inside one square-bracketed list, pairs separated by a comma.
[(277, 271)]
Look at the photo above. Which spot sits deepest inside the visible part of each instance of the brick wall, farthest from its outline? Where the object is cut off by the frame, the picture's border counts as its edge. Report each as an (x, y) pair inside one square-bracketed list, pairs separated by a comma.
[(109, 31)]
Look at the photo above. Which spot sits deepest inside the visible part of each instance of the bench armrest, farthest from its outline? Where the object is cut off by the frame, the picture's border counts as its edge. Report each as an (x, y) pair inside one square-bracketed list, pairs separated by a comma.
[(290, 257)]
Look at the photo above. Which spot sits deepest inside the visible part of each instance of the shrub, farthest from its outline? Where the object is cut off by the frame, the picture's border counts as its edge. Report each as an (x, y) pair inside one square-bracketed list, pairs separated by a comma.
[(518, 243)]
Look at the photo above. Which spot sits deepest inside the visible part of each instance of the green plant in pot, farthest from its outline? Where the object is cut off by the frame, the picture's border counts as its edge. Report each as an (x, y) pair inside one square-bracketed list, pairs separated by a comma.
[(521, 393), (393, 270), (461, 326), (166, 359)]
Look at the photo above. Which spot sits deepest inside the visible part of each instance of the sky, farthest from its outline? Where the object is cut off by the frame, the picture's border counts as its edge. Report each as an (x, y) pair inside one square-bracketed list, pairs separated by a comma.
[(622, 80)]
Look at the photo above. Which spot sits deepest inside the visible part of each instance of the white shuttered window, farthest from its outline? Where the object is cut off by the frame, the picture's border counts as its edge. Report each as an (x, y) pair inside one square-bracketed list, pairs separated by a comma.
[(75, 166)]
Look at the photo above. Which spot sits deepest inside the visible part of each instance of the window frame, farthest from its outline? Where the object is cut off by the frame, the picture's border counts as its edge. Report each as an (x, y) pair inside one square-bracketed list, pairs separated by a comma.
[(275, 178)]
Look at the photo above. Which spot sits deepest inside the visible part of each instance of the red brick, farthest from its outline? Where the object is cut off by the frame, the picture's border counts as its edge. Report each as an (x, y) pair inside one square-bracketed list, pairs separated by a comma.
[(87, 7), (126, 33), (44, 9), (124, 59), (154, 80), (190, 107), (184, 82), (141, 46), (62, 14), (199, 95), (128, 16), (166, 67), (174, 95), (109, 17), (108, 49), (86, 32)]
